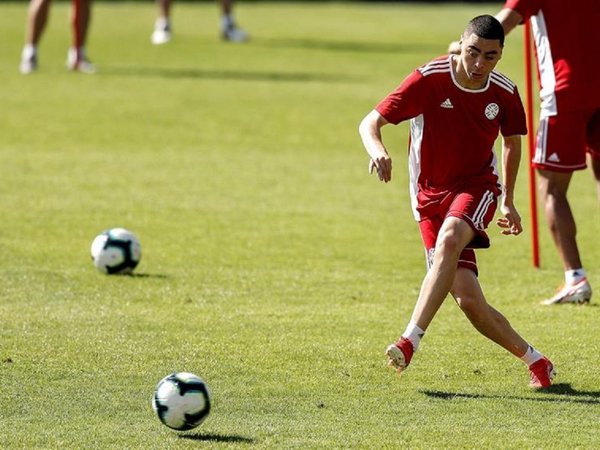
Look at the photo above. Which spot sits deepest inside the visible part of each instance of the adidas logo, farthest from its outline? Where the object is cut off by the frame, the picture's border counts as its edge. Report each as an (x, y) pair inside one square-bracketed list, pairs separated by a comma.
[(554, 158), (446, 104)]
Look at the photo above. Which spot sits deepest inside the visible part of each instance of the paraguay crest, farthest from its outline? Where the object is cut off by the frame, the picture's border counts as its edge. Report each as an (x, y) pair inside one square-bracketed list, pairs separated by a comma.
[(491, 111)]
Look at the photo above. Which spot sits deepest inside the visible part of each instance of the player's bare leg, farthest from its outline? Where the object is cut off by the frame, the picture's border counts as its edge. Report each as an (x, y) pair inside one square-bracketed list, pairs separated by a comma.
[(226, 7), (37, 17), (162, 26), (553, 190), (164, 8), (229, 29), (454, 235), (80, 21), (467, 292)]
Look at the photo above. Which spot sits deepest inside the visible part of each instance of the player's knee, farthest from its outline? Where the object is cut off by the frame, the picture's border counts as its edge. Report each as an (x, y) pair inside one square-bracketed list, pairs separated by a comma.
[(448, 245), (466, 303), (472, 305)]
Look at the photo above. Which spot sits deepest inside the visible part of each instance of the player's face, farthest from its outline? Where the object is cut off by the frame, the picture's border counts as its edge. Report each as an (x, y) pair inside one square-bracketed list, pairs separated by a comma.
[(477, 59)]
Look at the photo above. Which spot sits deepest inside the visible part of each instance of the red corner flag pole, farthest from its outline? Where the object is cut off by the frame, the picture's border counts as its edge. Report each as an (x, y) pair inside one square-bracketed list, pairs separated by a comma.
[(535, 246)]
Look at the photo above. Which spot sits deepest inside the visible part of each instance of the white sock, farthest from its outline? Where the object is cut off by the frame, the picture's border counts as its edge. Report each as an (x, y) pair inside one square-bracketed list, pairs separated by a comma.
[(162, 23), (574, 276), (414, 334), (227, 21), (531, 356), (76, 54), (29, 51)]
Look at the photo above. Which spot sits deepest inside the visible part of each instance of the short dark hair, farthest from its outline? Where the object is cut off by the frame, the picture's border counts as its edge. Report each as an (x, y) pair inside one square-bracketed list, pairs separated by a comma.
[(486, 27)]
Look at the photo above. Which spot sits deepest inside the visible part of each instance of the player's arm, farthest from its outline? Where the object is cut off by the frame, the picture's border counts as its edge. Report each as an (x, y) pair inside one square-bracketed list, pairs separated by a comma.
[(511, 157), (509, 19), (370, 133)]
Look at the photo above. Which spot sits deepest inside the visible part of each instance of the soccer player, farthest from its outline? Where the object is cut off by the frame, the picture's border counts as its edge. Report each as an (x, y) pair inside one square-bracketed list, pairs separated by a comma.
[(569, 69), (37, 17), (457, 105), (229, 29)]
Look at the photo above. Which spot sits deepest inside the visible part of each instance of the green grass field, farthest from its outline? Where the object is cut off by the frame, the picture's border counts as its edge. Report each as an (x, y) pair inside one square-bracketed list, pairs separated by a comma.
[(274, 266)]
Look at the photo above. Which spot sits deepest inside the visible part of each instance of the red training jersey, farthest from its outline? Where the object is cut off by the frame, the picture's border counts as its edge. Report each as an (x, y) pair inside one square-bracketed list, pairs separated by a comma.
[(453, 129), (565, 37)]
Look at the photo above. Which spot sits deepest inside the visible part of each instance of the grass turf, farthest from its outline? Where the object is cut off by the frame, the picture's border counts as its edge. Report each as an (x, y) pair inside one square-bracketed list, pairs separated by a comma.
[(273, 266)]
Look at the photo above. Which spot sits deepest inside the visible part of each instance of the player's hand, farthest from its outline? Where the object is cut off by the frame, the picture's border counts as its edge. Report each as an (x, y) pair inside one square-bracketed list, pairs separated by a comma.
[(454, 48), (511, 220), (383, 165)]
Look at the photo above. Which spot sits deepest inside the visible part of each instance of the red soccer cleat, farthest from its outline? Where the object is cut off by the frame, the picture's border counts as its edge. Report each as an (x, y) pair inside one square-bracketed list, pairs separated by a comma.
[(400, 354), (541, 372)]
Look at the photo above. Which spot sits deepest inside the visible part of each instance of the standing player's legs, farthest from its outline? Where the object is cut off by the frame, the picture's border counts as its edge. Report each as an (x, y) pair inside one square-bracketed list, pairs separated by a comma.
[(560, 150), (162, 26), (229, 30), (80, 21), (164, 8), (226, 7), (467, 292), (553, 187), (37, 17)]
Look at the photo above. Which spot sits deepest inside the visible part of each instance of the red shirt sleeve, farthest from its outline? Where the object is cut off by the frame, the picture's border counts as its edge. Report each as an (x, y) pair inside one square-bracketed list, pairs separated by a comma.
[(406, 102)]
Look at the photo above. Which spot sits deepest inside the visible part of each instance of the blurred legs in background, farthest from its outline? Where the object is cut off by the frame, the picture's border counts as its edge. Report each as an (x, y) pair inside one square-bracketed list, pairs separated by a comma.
[(37, 17), (229, 30)]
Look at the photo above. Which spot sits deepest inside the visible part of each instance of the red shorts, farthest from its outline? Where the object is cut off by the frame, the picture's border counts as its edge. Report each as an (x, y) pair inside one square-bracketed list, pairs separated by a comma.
[(475, 205), (562, 140)]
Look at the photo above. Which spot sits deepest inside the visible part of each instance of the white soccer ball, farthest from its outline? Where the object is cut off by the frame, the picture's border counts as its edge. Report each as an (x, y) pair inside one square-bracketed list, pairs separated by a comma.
[(181, 401), (116, 251)]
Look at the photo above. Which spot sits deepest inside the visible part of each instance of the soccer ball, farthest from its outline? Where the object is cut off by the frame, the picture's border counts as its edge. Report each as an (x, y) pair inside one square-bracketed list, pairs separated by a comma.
[(181, 401), (116, 251)]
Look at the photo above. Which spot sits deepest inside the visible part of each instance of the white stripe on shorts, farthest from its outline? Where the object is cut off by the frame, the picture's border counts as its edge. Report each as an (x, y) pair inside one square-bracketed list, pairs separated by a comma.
[(541, 141), (482, 208)]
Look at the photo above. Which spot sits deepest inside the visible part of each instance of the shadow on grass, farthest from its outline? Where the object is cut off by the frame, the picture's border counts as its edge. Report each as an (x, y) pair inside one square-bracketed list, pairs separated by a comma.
[(213, 437), (149, 275), (566, 392), (140, 275), (353, 46), (236, 75)]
